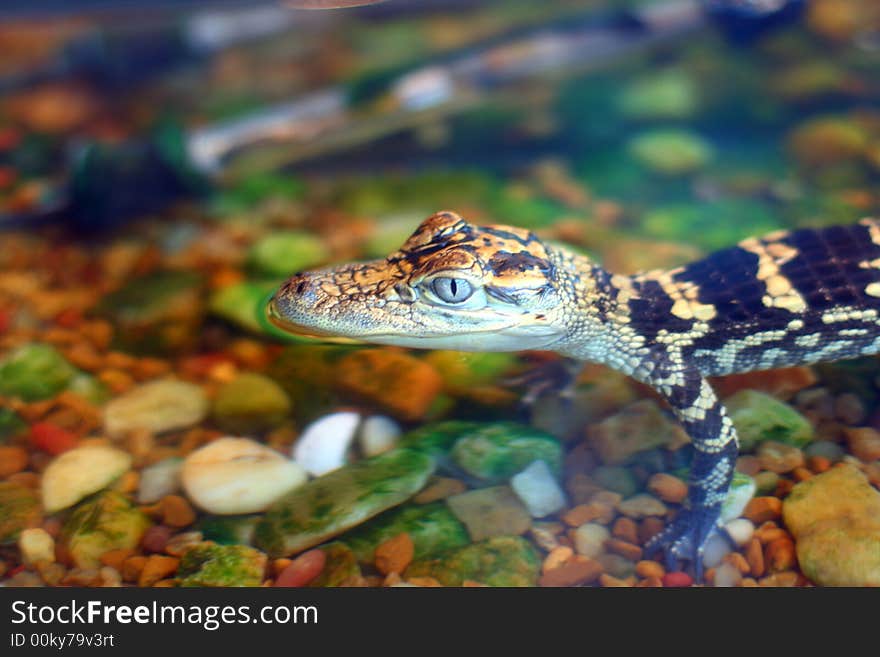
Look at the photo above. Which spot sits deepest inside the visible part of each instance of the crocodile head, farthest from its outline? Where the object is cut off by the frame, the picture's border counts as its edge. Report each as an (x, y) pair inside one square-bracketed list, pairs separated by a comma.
[(452, 285)]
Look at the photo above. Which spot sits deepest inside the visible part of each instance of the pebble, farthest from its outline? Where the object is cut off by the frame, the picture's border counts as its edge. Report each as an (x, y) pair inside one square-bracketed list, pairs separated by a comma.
[(779, 457), (157, 567), (740, 530), (640, 426), (159, 479), (742, 489), (378, 434), (758, 416), (323, 445), (779, 555), (250, 403), (155, 539), (556, 558), (626, 529), (677, 579), (716, 548), (668, 488), (589, 539), (439, 488), (849, 409), (864, 443), (156, 406), (80, 472), (576, 571), (616, 565), (107, 521), (766, 482), (36, 545), (647, 569), (640, 506), (238, 475), (762, 509), (489, 512), (395, 554), (13, 459), (176, 512), (727, 575), (536, 487), (625, 549), (755, 558), (825, 448), (302, 570)]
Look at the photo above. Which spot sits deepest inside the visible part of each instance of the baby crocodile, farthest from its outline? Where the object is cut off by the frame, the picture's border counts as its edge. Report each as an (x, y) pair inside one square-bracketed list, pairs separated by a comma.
[(789, 298)]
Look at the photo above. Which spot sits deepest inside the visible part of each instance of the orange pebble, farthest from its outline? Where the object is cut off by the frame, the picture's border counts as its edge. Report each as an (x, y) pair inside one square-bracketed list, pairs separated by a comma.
[(761, 509), (157, 567), (176, 511), (395, 554), (12, 460), (779, 555), (626, 529), (649, 569)]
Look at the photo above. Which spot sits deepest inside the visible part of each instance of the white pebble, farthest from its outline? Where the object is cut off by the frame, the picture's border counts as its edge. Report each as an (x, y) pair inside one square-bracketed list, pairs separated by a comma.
[(589, 539), (80, 472), (378, 434), (160, 479), (742, 489), (537, 488), (156, 406), (323, 445), (740, 530), (238, 475), (727, 575), (717, 547), (36, 545)]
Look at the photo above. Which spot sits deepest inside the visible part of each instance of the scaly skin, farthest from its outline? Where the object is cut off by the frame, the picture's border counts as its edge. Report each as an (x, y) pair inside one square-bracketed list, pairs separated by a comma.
[(790, 298)]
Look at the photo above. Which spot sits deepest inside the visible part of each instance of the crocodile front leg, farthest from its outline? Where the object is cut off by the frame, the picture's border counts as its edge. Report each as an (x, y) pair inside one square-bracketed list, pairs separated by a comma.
[(714, 438)]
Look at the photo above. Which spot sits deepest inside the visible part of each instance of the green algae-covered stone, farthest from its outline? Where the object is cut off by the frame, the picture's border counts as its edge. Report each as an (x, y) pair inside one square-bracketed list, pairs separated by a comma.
[(286, 252), (438, 438), (228, 530), (19, 509), (759, 417), (500, 561), (667, 94), (432, 527), (35, 371), (157, 314), (671, 152), (342, 499), (742, 489), (107, 521), (462, 370), (250, 403), (340, 569), (10, 424), (496, 452), (835, 520), (209, 564), (90, 388), (308, 374), (638, 427), (242, 303)]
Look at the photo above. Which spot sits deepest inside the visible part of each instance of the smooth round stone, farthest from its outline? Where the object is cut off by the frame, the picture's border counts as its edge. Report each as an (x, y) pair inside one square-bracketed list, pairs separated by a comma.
[(323, 445), (238, 475), (160, 479), (537, 488), (589, 539), (740, 530), (825, 448), (378, 434), (80, 472), (36, 545), (726, 575), (717, 547), (156, 406)]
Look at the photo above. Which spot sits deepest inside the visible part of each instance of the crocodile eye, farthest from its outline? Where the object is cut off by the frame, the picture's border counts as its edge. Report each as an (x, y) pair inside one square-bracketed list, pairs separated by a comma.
[(452, 290)]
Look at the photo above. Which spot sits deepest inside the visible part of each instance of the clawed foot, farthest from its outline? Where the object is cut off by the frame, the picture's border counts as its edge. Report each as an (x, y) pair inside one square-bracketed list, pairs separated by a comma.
[(685, 539)]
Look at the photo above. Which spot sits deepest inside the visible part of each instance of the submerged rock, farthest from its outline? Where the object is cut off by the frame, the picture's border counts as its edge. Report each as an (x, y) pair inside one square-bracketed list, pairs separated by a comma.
[(250, 403), (495, 452), (341, 567), (158, 313), (159, 479), (339, 500), (742, 490), (835, 520), (237, 475), (436, 439), (228, 530), (639, 427), (108, 521), (282, 253), (432, 527), (671, 152), (156, 406), (80, 472), (402, 385), (499, 561), (537, 488), (209, 564), (10, 425), (669, 94), (324, 444), (19, 510), (759, 417), (243, 303), (35, 371), (488, 512)]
